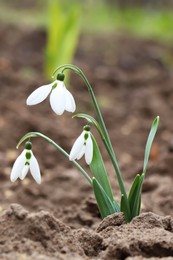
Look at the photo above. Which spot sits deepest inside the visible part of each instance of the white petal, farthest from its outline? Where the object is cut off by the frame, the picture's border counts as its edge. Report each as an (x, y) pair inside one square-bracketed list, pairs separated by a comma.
[(77, 147), (20, 175), (81, 153), (89, 150), (70, 105), (57, 99), (40, 94), (35, 169), (24, 172), (18, 166)]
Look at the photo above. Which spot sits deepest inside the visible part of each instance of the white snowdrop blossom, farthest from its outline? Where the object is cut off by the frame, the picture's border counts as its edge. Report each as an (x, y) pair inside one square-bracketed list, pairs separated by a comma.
[(83, 146), (26, 161), (60, 98)]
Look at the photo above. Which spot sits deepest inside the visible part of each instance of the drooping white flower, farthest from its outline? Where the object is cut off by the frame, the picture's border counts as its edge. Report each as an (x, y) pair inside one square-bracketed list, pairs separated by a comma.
[(60, 98), (26, 161), (83, 146)]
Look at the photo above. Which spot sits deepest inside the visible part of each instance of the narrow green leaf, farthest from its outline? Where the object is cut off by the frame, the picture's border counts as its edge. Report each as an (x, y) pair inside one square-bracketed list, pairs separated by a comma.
[(137, 199), (132, 193), (150, 141), (116, 206), (125, 208), (105, 205), (98, 169), (139, 206), (63, 28), (70, 35)]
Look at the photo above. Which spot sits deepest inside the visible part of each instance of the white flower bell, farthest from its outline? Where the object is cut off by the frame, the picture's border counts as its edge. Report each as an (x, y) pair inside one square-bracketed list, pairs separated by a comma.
[(83, 145), (26, 161), (60, 98)]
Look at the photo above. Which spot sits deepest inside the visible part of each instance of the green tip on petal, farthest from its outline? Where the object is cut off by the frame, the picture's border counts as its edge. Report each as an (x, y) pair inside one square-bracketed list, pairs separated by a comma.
[(86, 128), (60, 76), (28, 145)]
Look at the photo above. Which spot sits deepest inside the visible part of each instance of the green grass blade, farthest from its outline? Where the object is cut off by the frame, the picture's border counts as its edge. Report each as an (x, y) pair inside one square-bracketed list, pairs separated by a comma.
[(150, 141), (133, 190), (62, 34), (98, 169), (55, 29), (70, 37), (105, 205), (116, 206), (125, 208), (137, 199)]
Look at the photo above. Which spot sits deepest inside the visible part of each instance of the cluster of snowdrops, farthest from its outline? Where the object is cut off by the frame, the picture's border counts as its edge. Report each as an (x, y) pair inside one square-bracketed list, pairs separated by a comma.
[(62, 100)]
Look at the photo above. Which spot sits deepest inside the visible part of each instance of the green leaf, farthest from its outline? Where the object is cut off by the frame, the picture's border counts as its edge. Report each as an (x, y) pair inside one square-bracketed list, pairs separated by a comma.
[(132, 193), (98, 169), (62, 34), (137, 198), (91, 120), (150, 141), (125, 208), (116, 206), (106, 207)]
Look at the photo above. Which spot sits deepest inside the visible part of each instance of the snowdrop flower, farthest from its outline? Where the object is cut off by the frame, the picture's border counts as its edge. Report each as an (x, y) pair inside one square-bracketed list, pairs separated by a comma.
[(26, 161), (60, 98), (83, 145)]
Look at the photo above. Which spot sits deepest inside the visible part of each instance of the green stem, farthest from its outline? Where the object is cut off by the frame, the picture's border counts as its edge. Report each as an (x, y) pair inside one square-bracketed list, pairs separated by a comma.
[(37, 134), (107, 141)]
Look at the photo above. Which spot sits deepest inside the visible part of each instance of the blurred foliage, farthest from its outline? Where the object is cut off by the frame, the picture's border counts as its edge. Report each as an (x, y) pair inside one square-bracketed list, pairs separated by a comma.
[(142, 3), (149, 18), (62, 34), (146, 22)]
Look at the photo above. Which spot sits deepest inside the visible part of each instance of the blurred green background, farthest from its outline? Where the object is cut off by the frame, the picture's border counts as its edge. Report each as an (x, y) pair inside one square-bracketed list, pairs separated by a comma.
[(64, 21), (147, 18)]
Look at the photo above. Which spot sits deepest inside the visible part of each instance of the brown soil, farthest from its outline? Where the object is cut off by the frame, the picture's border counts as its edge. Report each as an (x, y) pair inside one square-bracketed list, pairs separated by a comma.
[(59, 219)]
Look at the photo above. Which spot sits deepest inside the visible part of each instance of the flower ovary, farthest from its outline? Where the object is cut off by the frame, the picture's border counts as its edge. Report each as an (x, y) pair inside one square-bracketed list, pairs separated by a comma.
[(86, 128), (60, 76), (28, 145)]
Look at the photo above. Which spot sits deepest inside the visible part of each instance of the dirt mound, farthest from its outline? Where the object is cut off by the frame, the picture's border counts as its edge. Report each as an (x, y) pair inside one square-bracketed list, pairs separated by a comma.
[(41, 236), (36, 234)]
